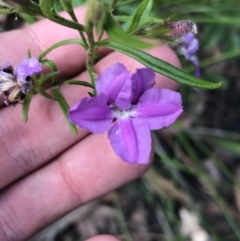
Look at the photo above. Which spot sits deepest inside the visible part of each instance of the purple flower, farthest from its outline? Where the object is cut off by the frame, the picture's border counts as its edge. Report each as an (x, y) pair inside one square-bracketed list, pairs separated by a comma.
[(8, 83), (133, 106), (7, 79), (15, 83), (25, 71), (188, 47)]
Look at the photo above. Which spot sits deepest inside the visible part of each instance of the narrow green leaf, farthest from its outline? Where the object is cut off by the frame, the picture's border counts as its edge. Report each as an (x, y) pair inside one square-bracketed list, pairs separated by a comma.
[(26, 105), (79, 82), (4, 10), (116, 33), (66, 5), (52, 66), (48, 9), (137, 16), (230, 146), (27, 18), (29, 7), (161, 66), (64, 107), (59, 44), (46, 77), (44, 93)]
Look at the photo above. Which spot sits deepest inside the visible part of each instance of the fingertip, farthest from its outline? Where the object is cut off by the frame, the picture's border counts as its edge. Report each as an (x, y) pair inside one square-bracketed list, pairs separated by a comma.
[(103, 238), (166, 54)]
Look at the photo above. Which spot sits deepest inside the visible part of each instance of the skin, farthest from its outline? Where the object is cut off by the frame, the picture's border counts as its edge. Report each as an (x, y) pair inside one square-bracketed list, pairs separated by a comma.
[(46, 171)]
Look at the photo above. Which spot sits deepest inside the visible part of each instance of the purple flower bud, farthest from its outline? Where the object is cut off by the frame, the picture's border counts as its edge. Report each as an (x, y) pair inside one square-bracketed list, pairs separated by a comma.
[(180, 28), (188, 47)]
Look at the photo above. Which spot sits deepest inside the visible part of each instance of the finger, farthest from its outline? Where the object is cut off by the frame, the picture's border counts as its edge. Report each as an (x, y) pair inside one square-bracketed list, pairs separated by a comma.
[(103, 238), (14, 45), (25, 147), (85, 171), (70, 59), (88, 170)]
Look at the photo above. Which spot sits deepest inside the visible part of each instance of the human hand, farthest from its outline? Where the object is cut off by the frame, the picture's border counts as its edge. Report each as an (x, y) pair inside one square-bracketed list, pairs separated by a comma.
[(46, 171)]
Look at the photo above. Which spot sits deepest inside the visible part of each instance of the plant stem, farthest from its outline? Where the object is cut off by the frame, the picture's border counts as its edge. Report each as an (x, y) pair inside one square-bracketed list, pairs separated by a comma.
[(74, 18), (113, 5), (100, 35), (91, 54)]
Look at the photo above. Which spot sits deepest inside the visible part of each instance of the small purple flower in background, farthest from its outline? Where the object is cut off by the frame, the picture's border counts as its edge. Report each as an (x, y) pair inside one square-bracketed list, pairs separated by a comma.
[(14, 83), (8, 83), (188, 47), (25, 71), (133, 106)]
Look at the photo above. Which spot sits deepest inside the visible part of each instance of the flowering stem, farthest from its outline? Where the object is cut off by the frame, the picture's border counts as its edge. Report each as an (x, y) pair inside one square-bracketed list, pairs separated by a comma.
[(74, 18), (91, 54), (100, 35), (113, 5)]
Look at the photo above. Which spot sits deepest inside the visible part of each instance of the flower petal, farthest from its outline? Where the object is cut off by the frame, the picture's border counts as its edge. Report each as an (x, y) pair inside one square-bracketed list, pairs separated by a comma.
[(158, 108), (116, 84), (28, 67), (142, 80), (92, 114), (131, 141), (189, 45), (196, 65), (7, 79)]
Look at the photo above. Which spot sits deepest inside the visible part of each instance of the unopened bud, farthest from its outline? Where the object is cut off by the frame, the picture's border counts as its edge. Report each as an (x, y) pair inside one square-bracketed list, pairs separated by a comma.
[(95, 13), (167, 30), (180, 28)]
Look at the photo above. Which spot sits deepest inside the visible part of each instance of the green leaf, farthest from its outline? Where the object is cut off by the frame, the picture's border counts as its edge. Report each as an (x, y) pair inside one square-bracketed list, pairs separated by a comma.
[(161, 66), (42, 80), (29, 7), (42, 92), (66, 5), (26, 105), (79, 82), (48, 9), (230, 146), (28, 18), (137, 16), (4, 10), (64, 107), (59, 44), (116, 33), (52, 66)]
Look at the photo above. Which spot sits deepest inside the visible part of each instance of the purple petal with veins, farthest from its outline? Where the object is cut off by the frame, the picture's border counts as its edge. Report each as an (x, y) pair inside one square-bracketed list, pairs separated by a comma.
[(158, 107), (142, 80), (116, 84), (28, 67), (92, 114), (131, 141)]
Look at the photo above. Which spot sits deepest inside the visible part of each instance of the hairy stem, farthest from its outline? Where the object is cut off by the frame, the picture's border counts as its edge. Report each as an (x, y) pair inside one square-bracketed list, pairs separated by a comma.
[(91, 55), (74, 18)]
